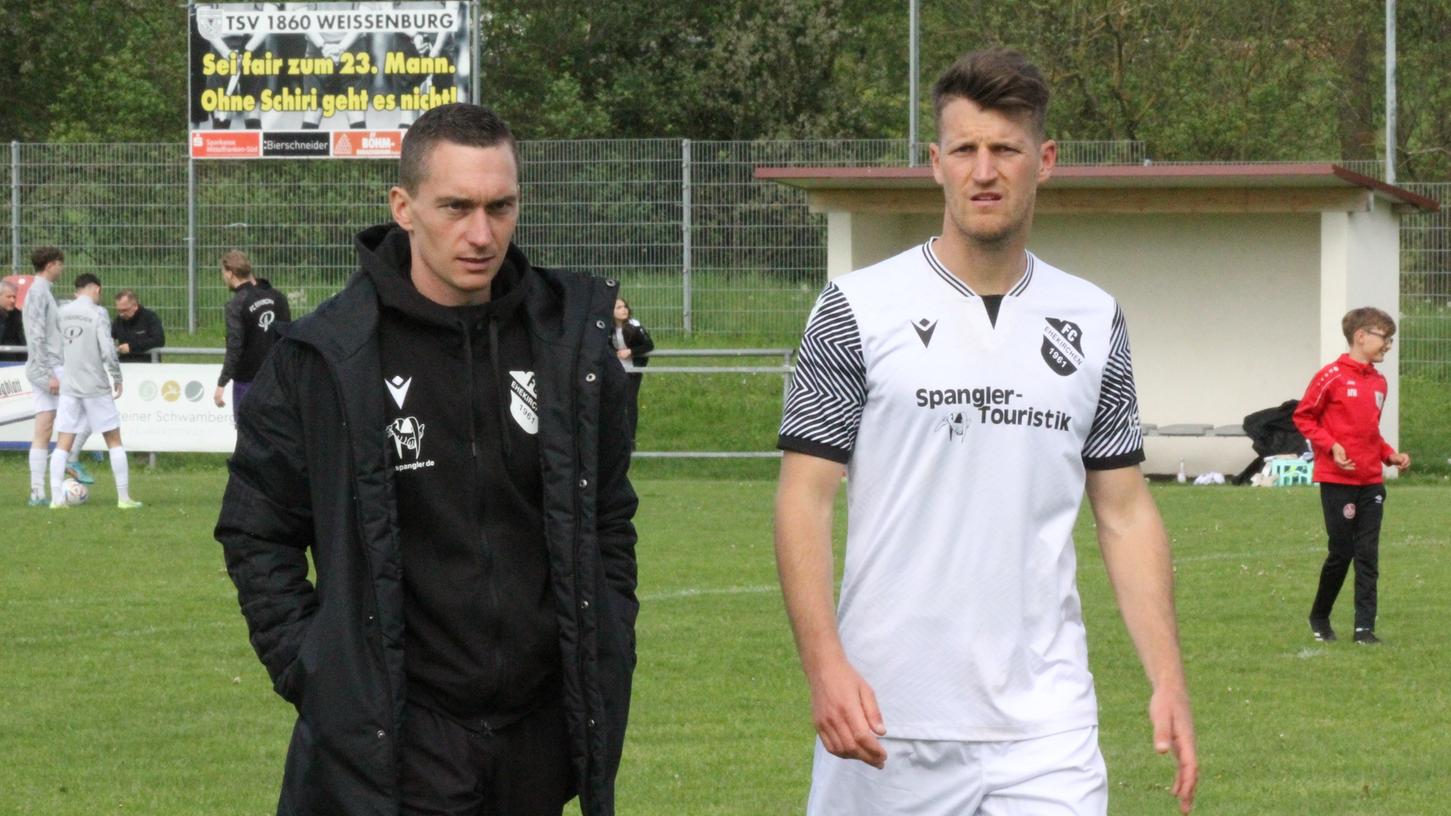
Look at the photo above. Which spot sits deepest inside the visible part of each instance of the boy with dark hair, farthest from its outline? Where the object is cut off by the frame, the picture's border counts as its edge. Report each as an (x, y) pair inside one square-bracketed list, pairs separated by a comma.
[(1340, 415), (89, 389)]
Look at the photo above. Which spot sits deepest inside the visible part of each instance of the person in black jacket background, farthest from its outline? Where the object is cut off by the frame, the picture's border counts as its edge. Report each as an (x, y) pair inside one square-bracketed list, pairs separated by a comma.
[(255, 314), (137, 330), (447, 438), (632, 345), (12, 327)]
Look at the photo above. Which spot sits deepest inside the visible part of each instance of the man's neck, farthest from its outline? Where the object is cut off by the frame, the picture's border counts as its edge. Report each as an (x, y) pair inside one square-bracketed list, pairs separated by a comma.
[(987, 269)]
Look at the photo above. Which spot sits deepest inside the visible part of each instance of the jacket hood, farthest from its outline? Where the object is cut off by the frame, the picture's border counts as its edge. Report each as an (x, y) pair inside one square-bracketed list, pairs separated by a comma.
[(385, 256)]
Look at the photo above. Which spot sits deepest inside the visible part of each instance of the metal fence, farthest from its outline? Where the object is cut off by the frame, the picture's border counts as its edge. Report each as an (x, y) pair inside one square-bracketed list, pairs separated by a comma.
[(700, 247)]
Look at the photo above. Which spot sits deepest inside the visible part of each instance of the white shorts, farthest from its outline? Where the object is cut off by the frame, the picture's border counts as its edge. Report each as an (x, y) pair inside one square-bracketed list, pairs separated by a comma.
[(76, 414), (1057, 775), (44, 400)]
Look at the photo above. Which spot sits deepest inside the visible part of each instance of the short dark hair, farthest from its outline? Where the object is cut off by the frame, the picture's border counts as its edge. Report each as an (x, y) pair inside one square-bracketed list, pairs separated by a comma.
[(457, 123), (997, 79), (86, 279), (236, 262), (1366, 317), (127, 294), (44, 256)]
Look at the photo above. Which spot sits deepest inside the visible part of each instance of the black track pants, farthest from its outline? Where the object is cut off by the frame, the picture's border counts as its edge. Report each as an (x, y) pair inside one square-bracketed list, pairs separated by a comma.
[(450, 769), (1352, 520)]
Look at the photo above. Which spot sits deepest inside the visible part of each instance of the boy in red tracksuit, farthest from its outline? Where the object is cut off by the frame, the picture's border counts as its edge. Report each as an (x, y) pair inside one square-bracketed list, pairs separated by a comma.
[(1340, 415)]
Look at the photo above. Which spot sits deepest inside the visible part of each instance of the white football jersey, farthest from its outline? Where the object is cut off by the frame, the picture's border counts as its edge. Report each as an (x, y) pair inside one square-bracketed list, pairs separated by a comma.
[(966, 444)]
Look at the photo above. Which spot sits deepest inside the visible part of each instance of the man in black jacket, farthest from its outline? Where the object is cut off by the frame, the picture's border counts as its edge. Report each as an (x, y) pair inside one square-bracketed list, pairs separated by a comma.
[(447, 437), (12, 328), (137, 330), (255, 315)]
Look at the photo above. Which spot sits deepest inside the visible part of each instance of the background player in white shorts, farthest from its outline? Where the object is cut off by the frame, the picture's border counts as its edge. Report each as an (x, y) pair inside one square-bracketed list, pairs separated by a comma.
[(91, 384), (44, 367), (972, 391)]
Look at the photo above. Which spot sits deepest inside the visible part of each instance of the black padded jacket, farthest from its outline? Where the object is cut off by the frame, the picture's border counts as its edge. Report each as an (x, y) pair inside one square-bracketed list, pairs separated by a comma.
[(311, 473)]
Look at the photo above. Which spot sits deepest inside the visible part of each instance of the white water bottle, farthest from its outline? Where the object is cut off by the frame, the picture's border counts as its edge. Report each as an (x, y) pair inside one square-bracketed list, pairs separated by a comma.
[(1182, 477)]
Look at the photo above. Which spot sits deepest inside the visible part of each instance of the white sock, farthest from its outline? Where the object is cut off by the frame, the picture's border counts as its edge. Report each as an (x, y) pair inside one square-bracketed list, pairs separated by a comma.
[(57, 474), (122, 471), (78, 444), (38, 459)]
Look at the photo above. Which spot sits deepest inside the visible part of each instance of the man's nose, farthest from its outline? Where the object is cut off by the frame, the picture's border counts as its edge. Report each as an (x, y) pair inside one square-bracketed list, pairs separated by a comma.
[(984, 166), (480, 232)]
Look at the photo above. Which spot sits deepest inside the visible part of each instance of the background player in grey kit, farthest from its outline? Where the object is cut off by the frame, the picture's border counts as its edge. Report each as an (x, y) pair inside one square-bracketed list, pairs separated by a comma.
[(956, 663), (44, 367), (254, 315), (87, 393)]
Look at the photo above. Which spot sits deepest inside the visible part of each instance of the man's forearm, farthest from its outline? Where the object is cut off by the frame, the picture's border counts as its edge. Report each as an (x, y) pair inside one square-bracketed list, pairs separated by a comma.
[(1136, 553), (804, 563)]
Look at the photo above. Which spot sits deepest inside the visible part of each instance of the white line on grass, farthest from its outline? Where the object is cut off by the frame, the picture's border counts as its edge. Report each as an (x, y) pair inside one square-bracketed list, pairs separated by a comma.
[(694, 592)]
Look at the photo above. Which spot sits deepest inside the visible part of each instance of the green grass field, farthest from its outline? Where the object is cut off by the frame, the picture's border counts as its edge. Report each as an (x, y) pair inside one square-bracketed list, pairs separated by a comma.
[(129, 686)]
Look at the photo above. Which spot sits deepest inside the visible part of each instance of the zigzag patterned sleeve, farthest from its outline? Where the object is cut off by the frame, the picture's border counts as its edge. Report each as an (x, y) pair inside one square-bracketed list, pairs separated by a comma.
[(1116, 439), (829, 388)]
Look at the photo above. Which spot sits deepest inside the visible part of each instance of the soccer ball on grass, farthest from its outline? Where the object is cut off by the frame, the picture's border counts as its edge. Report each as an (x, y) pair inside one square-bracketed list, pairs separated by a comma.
[(73, 492)]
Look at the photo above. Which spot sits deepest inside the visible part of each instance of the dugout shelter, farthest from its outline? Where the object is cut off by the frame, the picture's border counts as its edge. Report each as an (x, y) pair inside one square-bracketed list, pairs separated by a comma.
[(1233, 277)]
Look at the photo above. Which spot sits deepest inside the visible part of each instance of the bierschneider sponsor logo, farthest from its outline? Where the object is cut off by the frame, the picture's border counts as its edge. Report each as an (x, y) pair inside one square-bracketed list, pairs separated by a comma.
[(303, 143), (987, 405), (1062, 346)]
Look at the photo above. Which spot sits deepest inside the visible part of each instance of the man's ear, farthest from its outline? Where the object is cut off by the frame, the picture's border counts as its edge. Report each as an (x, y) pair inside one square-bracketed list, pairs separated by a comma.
[(400, 204)]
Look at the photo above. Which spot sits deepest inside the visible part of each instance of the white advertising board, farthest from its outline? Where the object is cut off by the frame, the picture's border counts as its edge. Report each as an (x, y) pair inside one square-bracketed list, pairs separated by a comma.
[(164, 407)]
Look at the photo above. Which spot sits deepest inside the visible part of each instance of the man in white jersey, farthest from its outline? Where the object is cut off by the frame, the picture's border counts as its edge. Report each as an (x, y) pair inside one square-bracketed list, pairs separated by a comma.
[(88, 392), (44, 367), (972, 391)]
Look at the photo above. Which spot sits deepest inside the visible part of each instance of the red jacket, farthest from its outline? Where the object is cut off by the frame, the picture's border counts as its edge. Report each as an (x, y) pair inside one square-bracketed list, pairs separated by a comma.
[(1343, 404)]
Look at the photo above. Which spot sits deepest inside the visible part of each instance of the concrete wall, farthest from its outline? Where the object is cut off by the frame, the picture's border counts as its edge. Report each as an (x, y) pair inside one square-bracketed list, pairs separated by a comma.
[(1228, 313)]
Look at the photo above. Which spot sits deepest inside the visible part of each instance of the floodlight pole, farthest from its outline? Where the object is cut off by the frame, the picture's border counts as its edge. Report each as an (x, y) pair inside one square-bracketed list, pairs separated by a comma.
[(914, 32), (1390, 91)]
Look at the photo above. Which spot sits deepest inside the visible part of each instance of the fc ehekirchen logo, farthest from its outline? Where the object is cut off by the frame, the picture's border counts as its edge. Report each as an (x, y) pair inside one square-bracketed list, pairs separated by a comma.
[(1062, 346)]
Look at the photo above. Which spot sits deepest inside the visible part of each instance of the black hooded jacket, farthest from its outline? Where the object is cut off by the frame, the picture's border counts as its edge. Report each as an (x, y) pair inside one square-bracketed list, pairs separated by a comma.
[(314, 470), (255, 314)]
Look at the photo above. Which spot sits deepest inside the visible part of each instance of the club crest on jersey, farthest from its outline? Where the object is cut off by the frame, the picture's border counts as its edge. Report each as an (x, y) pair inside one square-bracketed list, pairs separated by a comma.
[(524, 401), (924, 329), (1062, 346)]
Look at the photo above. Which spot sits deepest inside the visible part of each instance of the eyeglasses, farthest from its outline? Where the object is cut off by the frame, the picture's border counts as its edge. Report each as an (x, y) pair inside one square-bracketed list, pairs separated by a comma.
[(1385, 338)]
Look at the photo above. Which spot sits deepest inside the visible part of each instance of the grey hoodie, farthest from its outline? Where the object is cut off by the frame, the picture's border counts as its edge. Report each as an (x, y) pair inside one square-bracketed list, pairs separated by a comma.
[(89, 352), (42, 334)]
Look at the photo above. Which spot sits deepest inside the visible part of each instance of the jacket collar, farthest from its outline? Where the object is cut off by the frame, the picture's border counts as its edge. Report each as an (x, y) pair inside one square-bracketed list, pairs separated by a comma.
[(1363, 369)]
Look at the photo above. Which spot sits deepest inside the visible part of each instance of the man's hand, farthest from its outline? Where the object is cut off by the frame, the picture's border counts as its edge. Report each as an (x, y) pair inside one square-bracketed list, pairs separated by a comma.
[(1341, 460), (220, 396), (1401, 460), (1174, 731), (118, 389), (124, 348), (53, 386), (623, 354), (844, 711)]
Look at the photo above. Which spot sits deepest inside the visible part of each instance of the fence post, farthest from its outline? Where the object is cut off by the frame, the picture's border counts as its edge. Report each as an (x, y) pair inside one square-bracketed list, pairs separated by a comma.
[(191, 293), (685, 234), (14, 207)]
